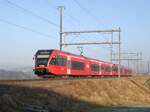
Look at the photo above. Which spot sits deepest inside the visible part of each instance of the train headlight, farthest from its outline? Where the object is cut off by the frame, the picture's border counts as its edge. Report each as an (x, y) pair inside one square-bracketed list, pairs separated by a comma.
[(41, 65)]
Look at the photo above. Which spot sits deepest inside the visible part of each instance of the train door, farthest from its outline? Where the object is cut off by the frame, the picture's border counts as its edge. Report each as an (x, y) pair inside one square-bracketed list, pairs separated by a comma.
[(100, 69), (68, 65), (87, 68), (111, 69)]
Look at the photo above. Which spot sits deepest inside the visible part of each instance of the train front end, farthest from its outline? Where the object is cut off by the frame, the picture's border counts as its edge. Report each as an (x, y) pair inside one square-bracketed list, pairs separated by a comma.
[(41, 62)]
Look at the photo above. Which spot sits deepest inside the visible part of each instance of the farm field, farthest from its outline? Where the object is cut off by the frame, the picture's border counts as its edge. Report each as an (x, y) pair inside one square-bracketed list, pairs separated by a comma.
[(76, 95)]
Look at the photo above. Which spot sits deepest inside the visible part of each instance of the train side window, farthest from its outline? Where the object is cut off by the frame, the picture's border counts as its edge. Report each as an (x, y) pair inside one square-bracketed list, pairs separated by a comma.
[(62, 61), (115, 69), (126, 71), (53, 61), (94, 67), (102, 68), (108, 69), (77, 65), (121, 70), (57, 60)]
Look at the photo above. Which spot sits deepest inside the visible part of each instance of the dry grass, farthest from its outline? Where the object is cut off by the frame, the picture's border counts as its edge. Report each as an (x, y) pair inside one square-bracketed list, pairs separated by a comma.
[(77, 95)]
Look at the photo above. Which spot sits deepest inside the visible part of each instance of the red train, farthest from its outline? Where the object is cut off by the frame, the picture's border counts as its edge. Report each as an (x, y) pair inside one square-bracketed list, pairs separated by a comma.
[(58, 63)]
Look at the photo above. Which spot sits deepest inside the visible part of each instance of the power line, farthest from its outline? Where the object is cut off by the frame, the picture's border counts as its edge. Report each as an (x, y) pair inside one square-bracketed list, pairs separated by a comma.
[(32, 13), (85, 39), (87, 11), (25, 28), (83, 8), (73, 18), (52, 6), (66, 13)]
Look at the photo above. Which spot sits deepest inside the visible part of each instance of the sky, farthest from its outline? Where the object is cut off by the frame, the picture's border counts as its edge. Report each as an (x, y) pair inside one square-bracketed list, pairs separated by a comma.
[(29, 25)]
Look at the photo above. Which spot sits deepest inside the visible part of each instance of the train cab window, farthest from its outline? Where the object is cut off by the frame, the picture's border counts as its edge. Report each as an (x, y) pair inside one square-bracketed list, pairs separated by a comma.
[(77, 65), (57, 60), (95, 67)]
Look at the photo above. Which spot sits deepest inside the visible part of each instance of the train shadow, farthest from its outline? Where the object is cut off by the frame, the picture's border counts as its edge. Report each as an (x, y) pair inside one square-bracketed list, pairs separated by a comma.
[(15, 98)]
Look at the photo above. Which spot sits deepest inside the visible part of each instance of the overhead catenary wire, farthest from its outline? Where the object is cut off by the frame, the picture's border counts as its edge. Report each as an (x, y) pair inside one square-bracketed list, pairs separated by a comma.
[(87, 12), (25, 28), (72, 18), (85, 39), (83, 8), (32, 13)]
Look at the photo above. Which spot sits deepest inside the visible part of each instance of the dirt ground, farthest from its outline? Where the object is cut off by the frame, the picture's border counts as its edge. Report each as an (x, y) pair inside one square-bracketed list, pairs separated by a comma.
[(82, 95)]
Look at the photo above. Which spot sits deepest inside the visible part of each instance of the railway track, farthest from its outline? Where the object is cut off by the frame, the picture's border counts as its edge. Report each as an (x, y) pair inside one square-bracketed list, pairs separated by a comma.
[(57, 79)]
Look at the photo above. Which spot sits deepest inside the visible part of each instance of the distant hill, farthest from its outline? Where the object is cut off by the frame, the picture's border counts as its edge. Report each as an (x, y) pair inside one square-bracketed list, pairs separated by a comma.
[(17, 74)]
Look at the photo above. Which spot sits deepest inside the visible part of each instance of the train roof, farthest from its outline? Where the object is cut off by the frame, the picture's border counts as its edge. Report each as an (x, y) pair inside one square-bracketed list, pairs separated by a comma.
[(83, 57), (51, 50)]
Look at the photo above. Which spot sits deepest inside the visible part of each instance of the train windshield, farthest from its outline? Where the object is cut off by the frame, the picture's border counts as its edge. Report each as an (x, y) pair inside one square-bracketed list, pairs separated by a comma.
[(42, 56), (41, 61)]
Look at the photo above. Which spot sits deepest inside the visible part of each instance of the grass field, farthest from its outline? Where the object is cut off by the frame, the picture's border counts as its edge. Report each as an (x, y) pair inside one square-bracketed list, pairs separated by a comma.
[(88, 95)]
